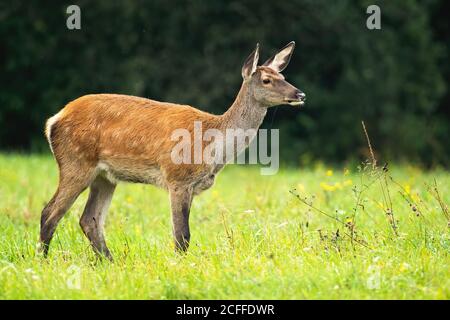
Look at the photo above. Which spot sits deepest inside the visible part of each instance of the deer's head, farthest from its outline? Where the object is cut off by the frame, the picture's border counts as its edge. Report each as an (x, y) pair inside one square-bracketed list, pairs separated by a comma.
[(266, 83)]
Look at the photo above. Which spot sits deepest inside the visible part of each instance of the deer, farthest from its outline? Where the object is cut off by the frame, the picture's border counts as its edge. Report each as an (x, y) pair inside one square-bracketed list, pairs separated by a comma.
[(99, 140)]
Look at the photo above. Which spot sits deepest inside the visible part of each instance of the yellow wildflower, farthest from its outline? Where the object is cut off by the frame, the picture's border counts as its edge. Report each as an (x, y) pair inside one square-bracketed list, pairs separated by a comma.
[(327, 187), (347, 182), (138, 230), (348, 220), (329, 172), (381, 205), (129, 199), (346, 172), (404, 266), (407, 188)]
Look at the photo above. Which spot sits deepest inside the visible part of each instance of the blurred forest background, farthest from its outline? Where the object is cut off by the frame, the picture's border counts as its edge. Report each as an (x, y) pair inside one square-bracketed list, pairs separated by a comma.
[(395, 79)]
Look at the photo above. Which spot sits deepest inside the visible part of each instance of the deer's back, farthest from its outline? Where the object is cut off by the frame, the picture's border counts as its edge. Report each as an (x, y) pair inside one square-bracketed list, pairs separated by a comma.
[(129, 136)]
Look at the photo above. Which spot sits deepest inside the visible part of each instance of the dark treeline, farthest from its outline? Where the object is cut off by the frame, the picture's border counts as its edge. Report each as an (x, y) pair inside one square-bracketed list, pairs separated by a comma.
[(395, 79)]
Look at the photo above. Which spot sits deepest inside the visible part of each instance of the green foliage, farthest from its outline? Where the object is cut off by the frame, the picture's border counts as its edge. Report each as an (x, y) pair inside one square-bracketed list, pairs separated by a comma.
[(251, 240), (191, 52)]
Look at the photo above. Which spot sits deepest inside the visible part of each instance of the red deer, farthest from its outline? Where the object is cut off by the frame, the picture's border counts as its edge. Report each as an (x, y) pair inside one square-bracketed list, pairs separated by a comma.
[(101, 139)]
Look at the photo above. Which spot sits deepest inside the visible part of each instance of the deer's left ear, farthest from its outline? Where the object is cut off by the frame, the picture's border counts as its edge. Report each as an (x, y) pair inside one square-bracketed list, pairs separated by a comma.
[(251, 63), (280, 61)]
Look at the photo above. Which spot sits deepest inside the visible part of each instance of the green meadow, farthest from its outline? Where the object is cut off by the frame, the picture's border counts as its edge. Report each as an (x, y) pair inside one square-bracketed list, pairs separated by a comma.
[(304, 233)]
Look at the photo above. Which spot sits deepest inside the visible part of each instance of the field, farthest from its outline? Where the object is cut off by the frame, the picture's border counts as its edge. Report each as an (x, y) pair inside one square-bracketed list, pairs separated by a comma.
[(304, 233)]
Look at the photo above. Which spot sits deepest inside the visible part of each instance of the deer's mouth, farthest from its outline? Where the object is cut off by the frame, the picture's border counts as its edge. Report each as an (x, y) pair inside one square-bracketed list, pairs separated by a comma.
[(299, 101)]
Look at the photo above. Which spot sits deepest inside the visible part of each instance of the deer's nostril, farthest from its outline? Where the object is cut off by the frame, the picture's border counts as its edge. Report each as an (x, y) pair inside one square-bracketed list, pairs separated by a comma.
[(301, 95)]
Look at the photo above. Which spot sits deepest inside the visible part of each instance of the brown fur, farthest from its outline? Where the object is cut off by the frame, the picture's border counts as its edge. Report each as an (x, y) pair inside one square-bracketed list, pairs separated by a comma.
[(125, 132), (100, 139)]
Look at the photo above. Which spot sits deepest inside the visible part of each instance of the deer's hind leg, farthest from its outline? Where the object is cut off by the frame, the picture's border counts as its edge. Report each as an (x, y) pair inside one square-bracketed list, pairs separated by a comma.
[(94, 214), (71, 184)]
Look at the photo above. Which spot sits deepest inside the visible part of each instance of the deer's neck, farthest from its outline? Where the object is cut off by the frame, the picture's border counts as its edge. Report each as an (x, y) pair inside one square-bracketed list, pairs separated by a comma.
[(245, 112), (244, 117)]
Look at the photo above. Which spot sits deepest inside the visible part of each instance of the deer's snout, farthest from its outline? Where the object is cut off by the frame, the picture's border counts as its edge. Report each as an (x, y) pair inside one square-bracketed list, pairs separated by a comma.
[(301, 95), (298, 98)]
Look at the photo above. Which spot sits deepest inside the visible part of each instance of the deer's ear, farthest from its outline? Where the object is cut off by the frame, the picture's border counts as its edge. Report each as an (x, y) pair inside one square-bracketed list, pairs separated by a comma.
[(280, 61), (251, 63)]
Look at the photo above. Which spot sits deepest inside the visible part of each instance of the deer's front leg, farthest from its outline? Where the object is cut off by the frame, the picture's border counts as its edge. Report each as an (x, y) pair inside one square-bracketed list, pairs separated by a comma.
[(180, 202)]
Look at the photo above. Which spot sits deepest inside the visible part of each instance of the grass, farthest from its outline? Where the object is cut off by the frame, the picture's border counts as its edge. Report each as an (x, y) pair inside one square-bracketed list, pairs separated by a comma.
[(294, 235)]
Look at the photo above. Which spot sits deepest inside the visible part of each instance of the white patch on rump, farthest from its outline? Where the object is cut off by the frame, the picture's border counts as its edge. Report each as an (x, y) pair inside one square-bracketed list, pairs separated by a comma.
[(48, 128)]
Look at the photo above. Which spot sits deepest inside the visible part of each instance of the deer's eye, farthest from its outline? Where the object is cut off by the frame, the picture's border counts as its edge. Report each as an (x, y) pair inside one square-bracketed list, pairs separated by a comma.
[(266, 81)]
